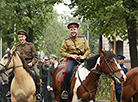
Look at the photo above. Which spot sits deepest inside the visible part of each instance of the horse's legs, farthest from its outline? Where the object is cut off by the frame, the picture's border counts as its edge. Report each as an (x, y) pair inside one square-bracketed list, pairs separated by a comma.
[(31, 98), (135, 97), (13, 99), (57, 97)]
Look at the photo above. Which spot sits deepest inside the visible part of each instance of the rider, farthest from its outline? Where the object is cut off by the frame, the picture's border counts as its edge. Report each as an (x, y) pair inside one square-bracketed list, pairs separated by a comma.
[(27, 50), (73, 48), (118, 86)]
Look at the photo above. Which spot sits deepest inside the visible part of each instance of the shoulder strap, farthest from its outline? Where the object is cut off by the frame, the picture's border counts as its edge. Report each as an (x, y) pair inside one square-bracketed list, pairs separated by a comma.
[(76, 46)]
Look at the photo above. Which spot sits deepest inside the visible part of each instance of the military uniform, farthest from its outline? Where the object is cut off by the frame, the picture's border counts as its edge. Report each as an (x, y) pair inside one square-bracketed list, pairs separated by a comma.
[(118, 86), (68, 46), (72, 45), (27, 50)]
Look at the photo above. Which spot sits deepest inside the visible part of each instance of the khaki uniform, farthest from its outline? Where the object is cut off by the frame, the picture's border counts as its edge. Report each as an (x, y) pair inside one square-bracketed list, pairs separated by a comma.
[(27, 50), (68, 47)]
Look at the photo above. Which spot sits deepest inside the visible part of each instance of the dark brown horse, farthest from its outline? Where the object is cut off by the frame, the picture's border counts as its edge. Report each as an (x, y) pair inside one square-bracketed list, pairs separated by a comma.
[(130, 87), (84, 84)]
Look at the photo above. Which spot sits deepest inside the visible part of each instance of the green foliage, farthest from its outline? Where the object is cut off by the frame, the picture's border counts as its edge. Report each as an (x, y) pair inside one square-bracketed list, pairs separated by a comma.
[(106, 15), (104, 88), (30, 15)]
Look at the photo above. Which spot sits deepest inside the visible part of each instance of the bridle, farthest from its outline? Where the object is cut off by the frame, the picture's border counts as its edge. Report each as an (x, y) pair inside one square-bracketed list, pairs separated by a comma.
[(5, 67), (96, 72), (101, 68)]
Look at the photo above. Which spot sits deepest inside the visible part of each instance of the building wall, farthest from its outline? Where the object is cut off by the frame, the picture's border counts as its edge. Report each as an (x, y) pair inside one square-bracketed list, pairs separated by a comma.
[(125, 50)]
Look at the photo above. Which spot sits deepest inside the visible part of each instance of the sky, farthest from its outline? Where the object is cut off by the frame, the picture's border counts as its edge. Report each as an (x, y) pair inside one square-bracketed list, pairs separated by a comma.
[(61, 8)]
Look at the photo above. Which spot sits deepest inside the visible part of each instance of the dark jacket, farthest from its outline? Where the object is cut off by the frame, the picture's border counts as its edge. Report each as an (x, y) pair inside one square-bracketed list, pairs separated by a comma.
[(44, 73)]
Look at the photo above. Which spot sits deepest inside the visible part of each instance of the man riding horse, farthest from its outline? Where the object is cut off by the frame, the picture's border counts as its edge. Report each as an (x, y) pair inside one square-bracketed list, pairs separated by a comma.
[(75, 48), (27, 50)]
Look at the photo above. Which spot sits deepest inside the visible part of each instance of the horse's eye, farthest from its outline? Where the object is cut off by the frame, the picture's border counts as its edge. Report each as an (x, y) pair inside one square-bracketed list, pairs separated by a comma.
[(111, 62), (5, 57)]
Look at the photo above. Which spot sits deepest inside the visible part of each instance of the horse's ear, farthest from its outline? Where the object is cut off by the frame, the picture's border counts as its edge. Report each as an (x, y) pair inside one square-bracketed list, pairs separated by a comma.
[(8, 49), (104, 52), (13, 49)]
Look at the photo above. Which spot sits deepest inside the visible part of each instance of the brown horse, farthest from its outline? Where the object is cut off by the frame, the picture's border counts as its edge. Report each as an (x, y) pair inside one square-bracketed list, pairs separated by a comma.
[(84, 84), (22, 86), (130, 87)]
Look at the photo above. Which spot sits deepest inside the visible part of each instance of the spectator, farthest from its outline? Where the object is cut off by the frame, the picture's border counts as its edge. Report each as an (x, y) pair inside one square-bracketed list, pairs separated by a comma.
[(53, 65), (118, 86), (43, 79)]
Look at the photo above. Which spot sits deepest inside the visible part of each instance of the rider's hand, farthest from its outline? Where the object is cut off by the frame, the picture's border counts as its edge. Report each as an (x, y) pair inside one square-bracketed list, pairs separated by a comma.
[(74, 56), (30, 64), (48, 89), (81, 57)]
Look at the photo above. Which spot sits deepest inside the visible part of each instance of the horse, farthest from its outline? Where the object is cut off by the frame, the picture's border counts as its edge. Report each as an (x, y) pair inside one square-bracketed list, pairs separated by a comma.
[(130, 87), (84, 84), (22, 87)]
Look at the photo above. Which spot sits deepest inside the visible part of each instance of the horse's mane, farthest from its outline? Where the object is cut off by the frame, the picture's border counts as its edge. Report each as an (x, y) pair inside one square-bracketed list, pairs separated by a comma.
[(111, 55), (90, 62), (25, 66)]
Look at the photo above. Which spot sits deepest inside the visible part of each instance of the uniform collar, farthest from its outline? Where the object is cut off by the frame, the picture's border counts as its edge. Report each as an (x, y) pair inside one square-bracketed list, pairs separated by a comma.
[(74, 37), (23, 43)]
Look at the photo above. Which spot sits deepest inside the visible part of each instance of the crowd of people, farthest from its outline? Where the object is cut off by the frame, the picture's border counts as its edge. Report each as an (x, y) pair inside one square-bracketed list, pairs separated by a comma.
[(74, 48)]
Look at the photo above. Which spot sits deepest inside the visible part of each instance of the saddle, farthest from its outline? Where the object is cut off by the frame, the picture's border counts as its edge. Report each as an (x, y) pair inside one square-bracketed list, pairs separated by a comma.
[(72, 74)]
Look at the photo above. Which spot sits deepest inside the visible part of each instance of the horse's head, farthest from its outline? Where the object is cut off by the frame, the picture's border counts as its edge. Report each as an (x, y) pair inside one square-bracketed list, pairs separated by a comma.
[(7, 60), (106, 63), (109, 65)]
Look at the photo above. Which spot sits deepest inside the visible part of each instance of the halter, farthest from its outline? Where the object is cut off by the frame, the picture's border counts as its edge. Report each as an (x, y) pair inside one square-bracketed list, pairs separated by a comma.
[(96, 72), (112, 71), (7, 64)]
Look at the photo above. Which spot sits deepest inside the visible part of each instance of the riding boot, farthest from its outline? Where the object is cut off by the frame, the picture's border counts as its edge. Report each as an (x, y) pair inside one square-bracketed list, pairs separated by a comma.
[(64, 92), (8, 94), (38, 95)]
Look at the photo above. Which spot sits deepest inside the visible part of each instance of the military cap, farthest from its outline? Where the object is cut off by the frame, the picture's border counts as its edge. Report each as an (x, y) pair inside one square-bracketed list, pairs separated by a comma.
[(121, 57), (22, 32), (73, 25), (53, 56), (46, 57)]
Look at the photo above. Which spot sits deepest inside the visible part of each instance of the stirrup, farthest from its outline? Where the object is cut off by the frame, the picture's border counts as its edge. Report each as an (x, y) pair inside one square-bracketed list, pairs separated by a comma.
[(8, 94), (64, 94), (38, 97)]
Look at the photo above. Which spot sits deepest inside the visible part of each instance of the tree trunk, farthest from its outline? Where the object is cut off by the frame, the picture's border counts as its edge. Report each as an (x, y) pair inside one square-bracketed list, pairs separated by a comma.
[(100, 44), (132, 34), (30, 35)]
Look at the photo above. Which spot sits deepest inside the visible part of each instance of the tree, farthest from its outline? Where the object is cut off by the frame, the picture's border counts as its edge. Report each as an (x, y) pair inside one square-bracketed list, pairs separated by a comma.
[(30, 15), (107, 15)]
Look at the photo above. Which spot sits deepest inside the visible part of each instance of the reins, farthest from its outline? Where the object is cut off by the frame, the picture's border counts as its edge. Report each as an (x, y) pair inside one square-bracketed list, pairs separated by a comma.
[(96, 72), (7, 64)]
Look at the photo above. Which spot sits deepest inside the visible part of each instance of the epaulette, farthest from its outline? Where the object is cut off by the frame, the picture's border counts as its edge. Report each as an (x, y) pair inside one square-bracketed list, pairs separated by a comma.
[(18, 44), (29, 43), (81, 35), (67, 38)]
